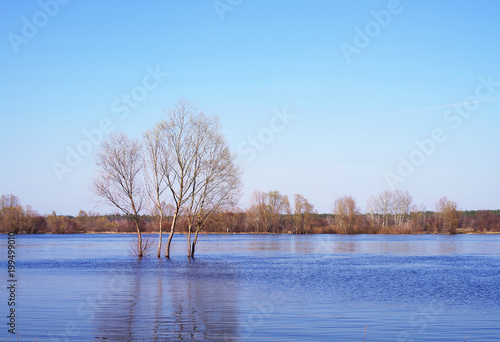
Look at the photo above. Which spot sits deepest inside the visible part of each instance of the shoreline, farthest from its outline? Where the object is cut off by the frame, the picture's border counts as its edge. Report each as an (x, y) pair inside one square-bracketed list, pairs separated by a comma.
[(260, 233)]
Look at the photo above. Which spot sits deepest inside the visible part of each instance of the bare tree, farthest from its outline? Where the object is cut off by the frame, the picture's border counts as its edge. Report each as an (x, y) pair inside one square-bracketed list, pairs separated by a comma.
[(267, 211), (258, 211), (179, 141), (401, 205), (187, 156), (448, 214), (418, 217), (155, 180), (218, 181), (346, 211), (278, 205), (302, 215), (203, 136), (381, 204), (390, 204), (32, 221), (119, 182), (11, 213)]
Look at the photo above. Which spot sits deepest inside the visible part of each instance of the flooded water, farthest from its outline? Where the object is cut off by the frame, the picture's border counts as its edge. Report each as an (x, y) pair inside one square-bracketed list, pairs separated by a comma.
[(257, 288)]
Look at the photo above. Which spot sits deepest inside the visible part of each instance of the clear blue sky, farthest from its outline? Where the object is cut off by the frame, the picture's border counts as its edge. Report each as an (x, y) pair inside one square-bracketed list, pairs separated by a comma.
[(64, 70)]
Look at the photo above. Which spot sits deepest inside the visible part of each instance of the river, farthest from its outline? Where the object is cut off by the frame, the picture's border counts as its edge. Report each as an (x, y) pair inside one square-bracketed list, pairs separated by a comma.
[(88, 287)]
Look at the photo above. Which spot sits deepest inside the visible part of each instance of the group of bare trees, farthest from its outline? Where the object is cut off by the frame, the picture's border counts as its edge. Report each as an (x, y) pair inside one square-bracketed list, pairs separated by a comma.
[(395, 211), (267, 212), (271, 213), (449, 215), (395, 204), (15, 218), (346, 213), (387, 212), (303, 215), (184, 161)]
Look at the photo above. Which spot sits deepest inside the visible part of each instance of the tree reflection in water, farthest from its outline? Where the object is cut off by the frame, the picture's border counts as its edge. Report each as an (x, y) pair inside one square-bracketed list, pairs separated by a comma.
[(161, 299)]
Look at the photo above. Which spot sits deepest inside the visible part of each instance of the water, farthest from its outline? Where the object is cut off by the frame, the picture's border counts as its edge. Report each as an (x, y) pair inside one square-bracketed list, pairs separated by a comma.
[(257, 288)]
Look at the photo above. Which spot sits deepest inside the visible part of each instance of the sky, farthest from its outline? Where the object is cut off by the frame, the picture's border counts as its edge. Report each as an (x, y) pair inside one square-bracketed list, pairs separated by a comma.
[(320, 98)]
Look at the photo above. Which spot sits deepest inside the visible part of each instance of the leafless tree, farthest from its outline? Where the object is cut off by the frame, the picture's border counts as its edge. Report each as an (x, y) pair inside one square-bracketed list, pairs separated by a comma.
[(448, 214), (267, 211), (257, 213), (401, 205), (119, 182), (418, 217), (155, 179), (302, 215), (390, 204), (11, 214), (15, 218), (203, 136), (278, 206), (346, 211), (179, 150), (217, 182), (381, 206)]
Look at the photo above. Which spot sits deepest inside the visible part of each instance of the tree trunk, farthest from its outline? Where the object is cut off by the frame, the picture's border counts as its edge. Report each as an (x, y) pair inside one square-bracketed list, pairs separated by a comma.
[(159, 237), (139, 247), (192, 249), (189, 240), (194, 243), (170, 236)]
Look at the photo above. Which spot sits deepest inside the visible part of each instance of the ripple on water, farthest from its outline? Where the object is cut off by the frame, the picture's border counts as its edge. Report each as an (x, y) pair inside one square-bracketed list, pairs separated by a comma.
[(261, 288)]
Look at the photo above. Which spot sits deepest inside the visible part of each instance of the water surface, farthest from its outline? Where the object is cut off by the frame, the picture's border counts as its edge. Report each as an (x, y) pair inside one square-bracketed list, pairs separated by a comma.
[(259, 288)]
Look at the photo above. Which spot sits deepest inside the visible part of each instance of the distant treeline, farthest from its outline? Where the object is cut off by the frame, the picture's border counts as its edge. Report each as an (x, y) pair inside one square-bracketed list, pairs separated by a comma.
[(269, 213)]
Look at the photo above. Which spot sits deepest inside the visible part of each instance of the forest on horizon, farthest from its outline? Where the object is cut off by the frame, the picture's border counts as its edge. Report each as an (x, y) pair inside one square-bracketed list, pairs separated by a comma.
[(269, 213)]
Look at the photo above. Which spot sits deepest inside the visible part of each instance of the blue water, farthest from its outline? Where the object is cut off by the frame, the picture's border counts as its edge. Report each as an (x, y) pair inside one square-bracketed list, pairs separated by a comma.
[(257, 288)]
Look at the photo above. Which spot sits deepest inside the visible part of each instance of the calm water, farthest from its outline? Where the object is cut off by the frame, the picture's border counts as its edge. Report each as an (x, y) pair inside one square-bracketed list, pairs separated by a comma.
[(258, 288)]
